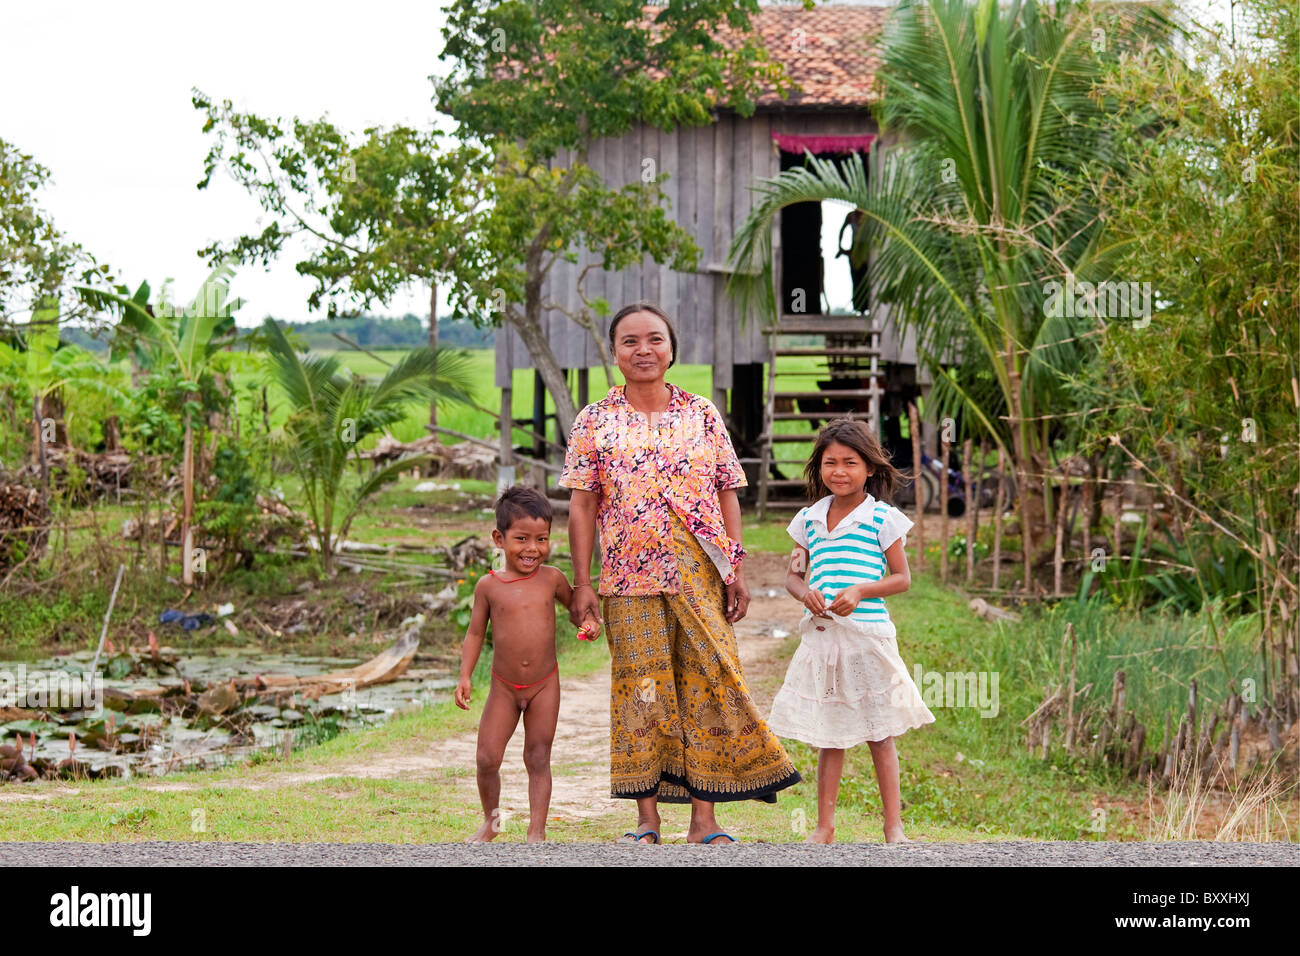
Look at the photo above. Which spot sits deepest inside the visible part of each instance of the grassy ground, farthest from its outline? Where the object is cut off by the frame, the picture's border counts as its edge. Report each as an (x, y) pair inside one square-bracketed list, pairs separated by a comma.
[(966, 777), (693, 378)]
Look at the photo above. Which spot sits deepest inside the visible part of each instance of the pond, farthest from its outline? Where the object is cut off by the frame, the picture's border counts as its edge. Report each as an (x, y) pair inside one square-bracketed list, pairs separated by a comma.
[(165, 710)]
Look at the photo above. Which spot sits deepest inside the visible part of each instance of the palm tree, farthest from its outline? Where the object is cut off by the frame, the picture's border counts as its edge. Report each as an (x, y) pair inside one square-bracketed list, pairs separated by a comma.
[(987, 201), (187, 338), (332, 411)]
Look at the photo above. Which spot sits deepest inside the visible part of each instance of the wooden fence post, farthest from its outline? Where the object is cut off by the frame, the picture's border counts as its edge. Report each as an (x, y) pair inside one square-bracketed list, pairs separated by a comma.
[(918, 486), (1061, 532), (972, 502), (998, 508), (944, 451)]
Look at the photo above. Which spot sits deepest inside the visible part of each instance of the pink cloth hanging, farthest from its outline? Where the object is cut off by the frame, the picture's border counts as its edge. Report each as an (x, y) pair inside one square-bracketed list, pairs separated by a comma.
[(797, 143)]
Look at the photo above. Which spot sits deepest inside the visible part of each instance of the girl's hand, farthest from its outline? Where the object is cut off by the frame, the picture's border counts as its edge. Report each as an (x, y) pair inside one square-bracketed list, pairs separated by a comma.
[(815, 602), (847, 600), (462, 693)]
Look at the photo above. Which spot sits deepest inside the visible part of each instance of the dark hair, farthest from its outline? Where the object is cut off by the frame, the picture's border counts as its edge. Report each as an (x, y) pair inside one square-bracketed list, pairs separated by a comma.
[(653, 310), (858, 436), (519, 501)]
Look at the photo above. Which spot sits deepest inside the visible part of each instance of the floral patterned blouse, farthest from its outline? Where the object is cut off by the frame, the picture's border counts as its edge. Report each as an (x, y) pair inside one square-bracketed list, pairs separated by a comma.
[(642, 469)]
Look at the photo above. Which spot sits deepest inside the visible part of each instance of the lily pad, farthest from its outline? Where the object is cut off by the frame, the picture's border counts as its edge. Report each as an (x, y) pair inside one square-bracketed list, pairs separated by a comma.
[(27, 727), (120, 666)]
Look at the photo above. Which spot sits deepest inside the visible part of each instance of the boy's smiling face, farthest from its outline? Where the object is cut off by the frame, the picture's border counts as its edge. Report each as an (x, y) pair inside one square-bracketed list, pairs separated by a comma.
[(526, 544)]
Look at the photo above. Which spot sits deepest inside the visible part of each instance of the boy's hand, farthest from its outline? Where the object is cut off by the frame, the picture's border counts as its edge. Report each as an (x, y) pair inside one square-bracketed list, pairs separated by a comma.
[(462, 693), (847, 600), (815, 602), (589, 630)]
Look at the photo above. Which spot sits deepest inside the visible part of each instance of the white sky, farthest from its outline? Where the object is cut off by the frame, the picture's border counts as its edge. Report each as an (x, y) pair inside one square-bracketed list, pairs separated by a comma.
[(99, 93)]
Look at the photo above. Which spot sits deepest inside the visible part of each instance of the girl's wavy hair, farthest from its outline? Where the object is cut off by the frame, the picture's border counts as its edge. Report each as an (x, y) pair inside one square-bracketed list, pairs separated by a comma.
[(857, 435)]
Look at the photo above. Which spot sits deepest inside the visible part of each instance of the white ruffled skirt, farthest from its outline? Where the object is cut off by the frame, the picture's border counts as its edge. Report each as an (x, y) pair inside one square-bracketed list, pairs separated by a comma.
[(846, 685)]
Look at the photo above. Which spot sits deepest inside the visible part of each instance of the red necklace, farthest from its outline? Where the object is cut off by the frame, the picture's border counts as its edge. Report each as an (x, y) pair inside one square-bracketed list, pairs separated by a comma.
[(515, 580)]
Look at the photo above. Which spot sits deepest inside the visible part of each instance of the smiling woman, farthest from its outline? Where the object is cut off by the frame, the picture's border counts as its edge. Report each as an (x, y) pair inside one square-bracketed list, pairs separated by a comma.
[(654, 467)]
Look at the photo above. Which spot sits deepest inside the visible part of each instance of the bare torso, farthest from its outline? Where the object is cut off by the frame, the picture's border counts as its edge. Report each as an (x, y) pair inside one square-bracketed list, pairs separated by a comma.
[(522, 613)]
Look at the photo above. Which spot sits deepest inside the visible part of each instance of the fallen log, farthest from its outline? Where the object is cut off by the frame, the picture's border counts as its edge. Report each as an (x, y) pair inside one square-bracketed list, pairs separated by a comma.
[(388, 666)]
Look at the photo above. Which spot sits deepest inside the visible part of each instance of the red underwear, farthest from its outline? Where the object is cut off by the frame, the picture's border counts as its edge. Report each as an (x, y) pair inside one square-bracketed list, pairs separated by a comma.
[(522, 686)]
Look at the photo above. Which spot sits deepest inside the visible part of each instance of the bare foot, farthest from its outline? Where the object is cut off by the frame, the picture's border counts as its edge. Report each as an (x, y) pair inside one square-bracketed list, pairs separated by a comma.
[(488, 831), (895, 835), (538, 837), (821, 835)]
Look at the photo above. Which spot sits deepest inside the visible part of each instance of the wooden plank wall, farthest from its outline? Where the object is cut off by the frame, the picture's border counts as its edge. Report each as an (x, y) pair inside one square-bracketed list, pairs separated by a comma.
[(709, 171)]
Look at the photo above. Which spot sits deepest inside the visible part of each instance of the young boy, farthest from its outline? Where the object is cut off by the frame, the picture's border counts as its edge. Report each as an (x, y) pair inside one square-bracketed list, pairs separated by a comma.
[(519, 601)]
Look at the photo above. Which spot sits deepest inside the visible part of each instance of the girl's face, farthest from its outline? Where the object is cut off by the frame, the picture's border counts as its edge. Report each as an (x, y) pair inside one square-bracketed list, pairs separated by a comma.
[(844, 471), (642, 348)]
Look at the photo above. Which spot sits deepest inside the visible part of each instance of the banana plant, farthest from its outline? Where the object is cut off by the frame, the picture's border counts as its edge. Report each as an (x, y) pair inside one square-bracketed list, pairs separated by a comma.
[(332, 411), (186, 338), (35, 365)]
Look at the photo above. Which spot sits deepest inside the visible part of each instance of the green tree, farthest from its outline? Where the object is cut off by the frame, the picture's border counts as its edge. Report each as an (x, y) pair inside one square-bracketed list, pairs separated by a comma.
[(394, 207), (36, 258), (57, 381), (187, 340), (988, 199), (532, 79), (490, 217), (1204, 400), (331, 411)]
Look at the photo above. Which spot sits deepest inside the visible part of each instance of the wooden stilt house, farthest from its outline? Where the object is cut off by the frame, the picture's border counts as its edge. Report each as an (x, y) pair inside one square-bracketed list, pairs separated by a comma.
[(863, 367)]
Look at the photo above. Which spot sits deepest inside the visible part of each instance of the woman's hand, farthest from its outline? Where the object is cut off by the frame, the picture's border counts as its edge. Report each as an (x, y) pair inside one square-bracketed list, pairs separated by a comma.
[(736, 602), (589, 630), (847, 600), (585, 605)]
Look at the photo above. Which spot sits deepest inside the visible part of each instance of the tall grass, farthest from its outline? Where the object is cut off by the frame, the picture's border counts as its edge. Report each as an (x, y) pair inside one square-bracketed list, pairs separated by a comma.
[(1159, 651), (1253, 810)]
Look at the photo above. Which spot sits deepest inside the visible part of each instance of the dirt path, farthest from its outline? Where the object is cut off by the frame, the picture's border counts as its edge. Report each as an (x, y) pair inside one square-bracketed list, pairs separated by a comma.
[(580, 755)]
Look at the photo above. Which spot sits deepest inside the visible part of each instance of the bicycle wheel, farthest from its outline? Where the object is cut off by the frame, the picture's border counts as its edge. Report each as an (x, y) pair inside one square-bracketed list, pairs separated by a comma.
[(989, 482), (929, 491)]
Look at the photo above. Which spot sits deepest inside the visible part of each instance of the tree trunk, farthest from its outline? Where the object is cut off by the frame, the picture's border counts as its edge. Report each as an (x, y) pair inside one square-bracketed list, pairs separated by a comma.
[(433, 343), (187, 510), (40, 441), (529, 327), (326, 537)]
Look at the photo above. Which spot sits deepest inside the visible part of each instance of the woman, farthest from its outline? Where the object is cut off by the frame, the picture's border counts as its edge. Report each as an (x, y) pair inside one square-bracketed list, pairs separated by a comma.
[(654, 467)]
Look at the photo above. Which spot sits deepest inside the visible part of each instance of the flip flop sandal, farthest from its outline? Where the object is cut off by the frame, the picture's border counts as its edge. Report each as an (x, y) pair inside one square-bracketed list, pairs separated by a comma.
[(708, 840), (638, 837)]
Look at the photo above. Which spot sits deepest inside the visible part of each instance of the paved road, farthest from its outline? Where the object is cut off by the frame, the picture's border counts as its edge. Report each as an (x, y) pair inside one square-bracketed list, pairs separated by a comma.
[(1018, 854)]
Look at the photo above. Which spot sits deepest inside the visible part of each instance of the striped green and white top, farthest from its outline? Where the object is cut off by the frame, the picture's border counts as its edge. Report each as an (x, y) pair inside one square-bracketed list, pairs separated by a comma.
[(851, 553)]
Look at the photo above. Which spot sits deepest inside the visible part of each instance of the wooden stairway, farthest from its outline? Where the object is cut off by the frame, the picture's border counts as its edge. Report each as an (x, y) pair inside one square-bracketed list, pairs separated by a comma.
[(850, 340)]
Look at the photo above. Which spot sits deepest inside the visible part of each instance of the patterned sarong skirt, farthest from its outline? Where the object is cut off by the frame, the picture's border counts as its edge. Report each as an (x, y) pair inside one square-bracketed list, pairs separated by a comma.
[(682, 723)]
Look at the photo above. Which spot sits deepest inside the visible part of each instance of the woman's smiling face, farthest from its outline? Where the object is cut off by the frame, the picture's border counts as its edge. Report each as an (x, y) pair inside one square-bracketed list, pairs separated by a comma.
[(642, 348)]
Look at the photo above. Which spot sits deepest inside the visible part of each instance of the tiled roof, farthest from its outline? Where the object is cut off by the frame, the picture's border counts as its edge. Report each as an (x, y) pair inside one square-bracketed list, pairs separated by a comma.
[(830, 51)]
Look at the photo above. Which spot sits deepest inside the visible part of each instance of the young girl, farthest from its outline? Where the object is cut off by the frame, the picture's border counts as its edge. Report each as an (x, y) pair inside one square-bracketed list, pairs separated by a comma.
[(846, 683)]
